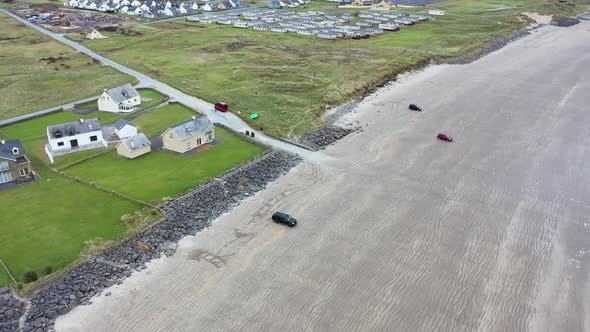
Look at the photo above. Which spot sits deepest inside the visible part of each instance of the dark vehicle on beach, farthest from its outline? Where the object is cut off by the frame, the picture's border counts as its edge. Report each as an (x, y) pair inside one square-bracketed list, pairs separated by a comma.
[(444, 137), (415, 107), (284, 218)]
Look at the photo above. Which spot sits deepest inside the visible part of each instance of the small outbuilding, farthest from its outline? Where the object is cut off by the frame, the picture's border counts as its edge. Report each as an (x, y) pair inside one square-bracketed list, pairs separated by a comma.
[(134, 146), (124, 128), (92, 33), (189, 134)]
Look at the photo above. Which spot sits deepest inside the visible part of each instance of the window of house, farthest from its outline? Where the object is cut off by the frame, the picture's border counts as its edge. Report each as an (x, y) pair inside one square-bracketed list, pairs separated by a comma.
[(23, 171), (60, 143), (3, 165), (93, 138), (5, 177), (198, 141)]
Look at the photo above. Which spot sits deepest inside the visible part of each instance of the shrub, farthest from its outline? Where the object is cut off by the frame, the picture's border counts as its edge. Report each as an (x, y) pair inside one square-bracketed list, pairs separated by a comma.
[(96, 246), (30, 276), (47, 270)]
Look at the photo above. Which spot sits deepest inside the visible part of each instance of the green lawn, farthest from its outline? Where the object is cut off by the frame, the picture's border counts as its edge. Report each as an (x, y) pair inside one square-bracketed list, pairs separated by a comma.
[(157, 121), (164, 174), (290, 79), (38, 72), (150, 98), (46, 223)]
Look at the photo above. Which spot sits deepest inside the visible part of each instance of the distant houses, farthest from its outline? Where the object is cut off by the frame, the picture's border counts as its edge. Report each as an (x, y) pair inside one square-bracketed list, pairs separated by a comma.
[(15, 167), (152, 8), (133, 146), (74, 136), (119, 99), (189, 134)]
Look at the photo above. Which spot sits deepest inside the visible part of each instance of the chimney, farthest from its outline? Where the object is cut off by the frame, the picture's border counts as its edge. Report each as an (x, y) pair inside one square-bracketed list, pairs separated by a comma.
[(2, 142), (132, 144), (105, 90), (81, 120), (194, 117)]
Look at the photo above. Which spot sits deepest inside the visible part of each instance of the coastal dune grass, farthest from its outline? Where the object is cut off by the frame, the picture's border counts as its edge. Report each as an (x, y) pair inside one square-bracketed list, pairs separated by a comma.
[(38, 72), (288, 79)]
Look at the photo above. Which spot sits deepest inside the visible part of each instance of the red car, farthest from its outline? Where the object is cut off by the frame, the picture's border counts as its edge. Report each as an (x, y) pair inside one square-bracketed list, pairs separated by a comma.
[(444, 137), (221, 106)]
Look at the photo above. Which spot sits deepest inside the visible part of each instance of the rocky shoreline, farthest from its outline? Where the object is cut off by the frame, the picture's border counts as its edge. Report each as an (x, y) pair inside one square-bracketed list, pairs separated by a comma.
[(185, 215)]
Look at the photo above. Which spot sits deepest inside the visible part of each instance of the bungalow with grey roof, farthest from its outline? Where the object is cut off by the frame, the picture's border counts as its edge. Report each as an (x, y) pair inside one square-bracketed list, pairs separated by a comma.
[(119, 99), (189, 134)]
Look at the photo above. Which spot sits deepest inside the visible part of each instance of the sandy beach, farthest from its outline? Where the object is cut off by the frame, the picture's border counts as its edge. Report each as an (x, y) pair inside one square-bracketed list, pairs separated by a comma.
[(400, 231)]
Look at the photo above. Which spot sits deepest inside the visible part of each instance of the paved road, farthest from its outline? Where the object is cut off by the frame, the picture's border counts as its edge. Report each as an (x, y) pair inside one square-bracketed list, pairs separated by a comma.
[(228, 119), (399, 231)]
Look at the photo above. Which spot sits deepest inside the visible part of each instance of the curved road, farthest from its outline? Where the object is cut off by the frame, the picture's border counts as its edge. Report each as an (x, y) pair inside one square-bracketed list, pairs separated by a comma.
[(400, 231), (228, 119)]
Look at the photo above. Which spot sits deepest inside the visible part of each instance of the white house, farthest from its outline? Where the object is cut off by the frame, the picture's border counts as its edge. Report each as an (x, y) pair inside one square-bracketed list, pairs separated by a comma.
[(74, 136), (119, 99), (124, 128), (436, 12)]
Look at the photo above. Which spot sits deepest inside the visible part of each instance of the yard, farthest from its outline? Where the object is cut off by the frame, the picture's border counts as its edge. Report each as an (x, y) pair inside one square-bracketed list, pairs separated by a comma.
[(46, 223), (163, 174), (155, 122), (38, 72), (290, 79)]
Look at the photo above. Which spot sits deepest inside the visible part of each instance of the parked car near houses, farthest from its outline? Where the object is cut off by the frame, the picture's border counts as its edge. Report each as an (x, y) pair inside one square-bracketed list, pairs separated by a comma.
[(221, 106)]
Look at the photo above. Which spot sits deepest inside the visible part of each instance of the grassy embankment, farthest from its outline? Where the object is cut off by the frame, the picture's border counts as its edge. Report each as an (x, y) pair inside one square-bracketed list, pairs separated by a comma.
[(290, 79), (38, 72)]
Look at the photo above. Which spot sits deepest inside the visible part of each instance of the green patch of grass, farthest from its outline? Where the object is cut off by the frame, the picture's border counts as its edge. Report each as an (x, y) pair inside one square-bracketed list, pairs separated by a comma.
[(88, 104), (150, 98), (288, 79), (47, 223), (154, 123), (162, 174), (38, 72)]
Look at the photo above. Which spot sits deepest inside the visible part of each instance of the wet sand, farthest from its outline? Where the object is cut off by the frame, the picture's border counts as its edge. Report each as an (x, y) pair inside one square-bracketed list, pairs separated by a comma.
[(400, 231)]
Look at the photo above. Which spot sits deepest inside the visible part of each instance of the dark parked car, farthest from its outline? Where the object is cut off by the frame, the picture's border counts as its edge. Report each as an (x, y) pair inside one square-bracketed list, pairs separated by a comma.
[(221, 106), (284, 218), (415, 107), (444, 137)]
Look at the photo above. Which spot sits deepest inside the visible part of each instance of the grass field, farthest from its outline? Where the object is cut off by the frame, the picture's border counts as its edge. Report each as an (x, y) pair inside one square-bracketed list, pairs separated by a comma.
[(290, 79), (155, 122), (47, 223), (38, 72)]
